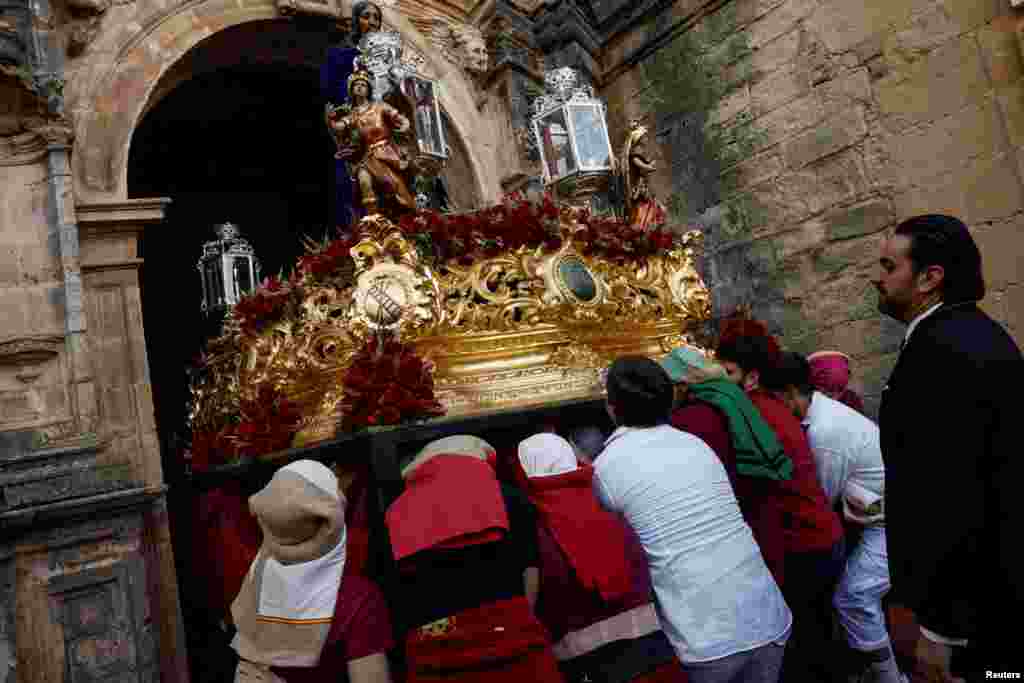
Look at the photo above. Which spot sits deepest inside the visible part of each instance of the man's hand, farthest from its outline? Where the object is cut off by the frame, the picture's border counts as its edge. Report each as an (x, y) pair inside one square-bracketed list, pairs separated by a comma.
[(932, 662)]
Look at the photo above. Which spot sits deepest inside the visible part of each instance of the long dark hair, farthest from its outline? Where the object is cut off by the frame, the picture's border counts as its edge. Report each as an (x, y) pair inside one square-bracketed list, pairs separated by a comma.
[(357, 11), (939, 240)]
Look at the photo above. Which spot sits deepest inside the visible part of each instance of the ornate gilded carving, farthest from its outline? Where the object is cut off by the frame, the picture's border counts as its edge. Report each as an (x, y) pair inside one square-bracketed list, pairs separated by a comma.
[(517, 328), (392, 290)]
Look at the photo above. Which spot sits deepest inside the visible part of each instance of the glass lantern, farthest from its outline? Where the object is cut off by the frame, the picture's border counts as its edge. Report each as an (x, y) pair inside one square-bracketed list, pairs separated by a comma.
[(571, 132), (228, 269), (398, 80)]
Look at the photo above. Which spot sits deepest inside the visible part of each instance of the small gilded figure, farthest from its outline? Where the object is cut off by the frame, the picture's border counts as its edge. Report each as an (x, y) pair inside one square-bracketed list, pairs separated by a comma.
[(642, 209), (364, 132)]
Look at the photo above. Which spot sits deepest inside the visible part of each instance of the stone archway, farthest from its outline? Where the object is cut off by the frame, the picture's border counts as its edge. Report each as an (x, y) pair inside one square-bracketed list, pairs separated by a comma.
[(108, 106)]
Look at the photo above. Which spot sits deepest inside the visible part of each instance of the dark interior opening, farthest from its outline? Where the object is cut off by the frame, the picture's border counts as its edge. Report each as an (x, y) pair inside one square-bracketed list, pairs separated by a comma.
[(246, 145)]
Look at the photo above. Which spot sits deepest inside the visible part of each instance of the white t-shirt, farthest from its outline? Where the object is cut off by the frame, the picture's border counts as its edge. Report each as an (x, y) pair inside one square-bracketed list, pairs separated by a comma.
[(848, 453), (714, 594)]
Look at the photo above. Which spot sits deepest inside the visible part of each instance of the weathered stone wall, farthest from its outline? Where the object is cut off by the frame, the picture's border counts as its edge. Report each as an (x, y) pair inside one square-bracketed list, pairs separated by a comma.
[(852, 116), (31, 303)]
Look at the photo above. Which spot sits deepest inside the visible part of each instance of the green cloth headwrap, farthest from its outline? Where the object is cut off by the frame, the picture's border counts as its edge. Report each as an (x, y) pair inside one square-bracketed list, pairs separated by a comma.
[(758, 451)]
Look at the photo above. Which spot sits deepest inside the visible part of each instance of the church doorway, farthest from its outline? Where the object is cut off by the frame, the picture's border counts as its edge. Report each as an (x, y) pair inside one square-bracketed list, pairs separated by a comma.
[(235, 134)]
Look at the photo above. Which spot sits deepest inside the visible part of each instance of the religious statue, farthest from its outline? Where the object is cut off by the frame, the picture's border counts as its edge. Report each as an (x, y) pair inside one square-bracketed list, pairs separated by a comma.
[(642, 208), (366, 18), (364, 132)]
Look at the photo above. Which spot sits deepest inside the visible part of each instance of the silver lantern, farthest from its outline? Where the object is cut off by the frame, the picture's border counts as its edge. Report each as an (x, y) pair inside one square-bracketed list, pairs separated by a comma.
[(399, 80), (228, 269), (571, 132)]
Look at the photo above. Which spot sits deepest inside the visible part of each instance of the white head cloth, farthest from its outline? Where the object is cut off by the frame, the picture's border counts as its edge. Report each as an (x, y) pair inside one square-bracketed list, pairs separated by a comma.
[(546, 454), (287, 601)]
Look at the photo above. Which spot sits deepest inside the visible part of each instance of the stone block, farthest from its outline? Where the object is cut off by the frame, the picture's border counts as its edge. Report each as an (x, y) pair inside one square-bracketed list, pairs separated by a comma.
[(970, 14), (779, 87), (864, 340), (923, 33), (779, 21), (938, 85), (38, 264), (991, 188), (45, 309), (789, 120), (805, 237), (753, 171), (949, 143), (850, 89), (830, 137), (1000, 253), (851, 296), (10, 271), (751, 10), (1011, 105), (1001, 52), (770, 56), (843, 25), (732, 104), (862, 219)]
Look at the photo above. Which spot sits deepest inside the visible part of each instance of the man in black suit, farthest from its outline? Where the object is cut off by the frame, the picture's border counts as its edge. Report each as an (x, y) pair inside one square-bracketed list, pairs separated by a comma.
[(950, 427)]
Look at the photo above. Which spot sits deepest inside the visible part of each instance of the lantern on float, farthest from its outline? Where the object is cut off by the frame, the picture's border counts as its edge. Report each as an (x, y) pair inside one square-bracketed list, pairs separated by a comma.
[(398, 73), (571, 132), (228, 269)]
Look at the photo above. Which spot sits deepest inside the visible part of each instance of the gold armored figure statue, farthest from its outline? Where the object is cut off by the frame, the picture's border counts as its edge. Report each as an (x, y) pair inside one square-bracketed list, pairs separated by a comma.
[(641, 207), (365, 138)]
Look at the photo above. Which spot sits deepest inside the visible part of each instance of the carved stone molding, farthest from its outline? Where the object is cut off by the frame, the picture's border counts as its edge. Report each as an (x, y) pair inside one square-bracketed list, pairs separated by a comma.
[(86, 17), (30, 350)]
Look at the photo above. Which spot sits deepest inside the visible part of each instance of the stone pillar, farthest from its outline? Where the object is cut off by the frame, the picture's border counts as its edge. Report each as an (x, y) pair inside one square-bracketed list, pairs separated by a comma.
[(564, 32), (512, 82), (110, 261), (75, 568)]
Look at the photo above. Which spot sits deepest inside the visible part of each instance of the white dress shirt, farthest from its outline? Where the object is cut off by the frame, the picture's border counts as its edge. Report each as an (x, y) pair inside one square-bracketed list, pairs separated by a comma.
[(848, 453), (917, 321), (714, 594)]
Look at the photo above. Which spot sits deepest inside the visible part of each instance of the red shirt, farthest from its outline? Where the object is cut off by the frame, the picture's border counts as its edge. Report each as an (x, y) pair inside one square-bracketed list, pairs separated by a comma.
[(809, 524), (361, 627), (754, 495)]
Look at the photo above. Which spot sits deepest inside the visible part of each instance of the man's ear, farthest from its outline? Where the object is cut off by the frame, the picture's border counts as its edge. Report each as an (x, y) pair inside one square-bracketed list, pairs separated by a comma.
[(931, 278)]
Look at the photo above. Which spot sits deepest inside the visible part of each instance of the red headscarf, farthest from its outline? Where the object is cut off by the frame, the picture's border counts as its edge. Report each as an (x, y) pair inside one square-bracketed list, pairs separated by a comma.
[(830, 374), (452, 499), (567, 507)]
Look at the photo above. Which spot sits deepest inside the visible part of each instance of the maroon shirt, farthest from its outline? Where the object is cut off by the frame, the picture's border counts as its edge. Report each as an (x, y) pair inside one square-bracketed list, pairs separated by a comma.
[(361, 627), (809, 524), (754, 495)]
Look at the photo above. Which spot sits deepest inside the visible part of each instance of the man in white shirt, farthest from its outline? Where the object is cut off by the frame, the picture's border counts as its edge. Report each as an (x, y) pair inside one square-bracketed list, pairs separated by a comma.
[(716, 599), (848, 455)]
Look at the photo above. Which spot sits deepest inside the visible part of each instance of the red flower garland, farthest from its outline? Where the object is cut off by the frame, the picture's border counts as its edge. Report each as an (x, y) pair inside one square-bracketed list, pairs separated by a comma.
[(517, 222), (267, 304), (386, 384), (266, 425)]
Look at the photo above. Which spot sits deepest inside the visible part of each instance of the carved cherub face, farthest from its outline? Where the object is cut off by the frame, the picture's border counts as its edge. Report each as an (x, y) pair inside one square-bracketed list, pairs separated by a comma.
[(476, 55)]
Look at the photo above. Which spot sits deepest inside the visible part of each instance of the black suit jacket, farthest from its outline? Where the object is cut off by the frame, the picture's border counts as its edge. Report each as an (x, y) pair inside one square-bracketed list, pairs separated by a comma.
[(952, 429)]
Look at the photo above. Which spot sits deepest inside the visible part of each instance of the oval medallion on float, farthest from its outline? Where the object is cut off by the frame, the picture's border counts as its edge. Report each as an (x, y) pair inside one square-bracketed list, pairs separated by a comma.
[(576, 278)]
